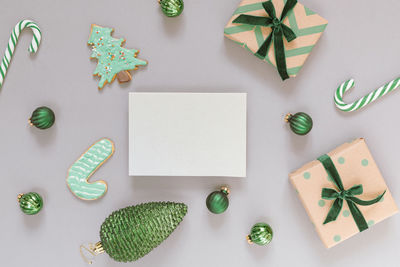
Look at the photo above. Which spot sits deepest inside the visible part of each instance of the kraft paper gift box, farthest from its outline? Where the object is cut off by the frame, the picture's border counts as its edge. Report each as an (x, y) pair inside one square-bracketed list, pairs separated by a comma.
[(355, 166), (306, 24)]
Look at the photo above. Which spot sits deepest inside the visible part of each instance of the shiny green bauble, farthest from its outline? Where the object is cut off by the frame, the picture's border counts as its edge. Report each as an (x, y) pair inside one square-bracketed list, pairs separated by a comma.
[(217, 202), (171, 8), (260, 234), (42, 118), (300, 123), (30, 203)]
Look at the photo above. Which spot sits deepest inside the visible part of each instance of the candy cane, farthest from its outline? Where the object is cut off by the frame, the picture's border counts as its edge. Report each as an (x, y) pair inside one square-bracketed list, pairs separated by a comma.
[(37, 36), (362, 102)]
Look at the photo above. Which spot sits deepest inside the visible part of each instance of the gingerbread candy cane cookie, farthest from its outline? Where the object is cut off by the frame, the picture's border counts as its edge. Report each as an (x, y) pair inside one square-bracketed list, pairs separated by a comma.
[(85, 166), (37, 36)]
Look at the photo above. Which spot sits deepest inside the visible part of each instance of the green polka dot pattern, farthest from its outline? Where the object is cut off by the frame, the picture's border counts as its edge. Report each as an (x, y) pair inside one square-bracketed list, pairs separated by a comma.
[(337, 238), (364, 162), (321, 203), (346, 213), (371, 222), (307, 175), (341, 160)]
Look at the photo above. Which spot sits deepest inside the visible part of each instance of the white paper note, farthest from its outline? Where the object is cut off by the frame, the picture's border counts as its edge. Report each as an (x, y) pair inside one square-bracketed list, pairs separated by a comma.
[(187, 134)]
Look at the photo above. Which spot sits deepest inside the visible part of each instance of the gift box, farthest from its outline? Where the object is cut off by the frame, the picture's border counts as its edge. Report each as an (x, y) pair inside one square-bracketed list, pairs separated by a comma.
[(259, 32), (343, 192)]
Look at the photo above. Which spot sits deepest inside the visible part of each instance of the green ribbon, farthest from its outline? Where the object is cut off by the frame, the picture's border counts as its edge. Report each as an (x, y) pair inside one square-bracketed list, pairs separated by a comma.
[(341, 194), (278, 31)]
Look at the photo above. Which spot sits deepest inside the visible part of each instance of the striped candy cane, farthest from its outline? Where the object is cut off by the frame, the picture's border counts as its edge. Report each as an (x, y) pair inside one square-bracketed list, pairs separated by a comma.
[(362, 102), (37, 36)]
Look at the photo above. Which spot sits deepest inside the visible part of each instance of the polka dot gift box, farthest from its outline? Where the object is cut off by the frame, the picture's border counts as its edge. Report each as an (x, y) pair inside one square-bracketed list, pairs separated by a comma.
[(343, 192)]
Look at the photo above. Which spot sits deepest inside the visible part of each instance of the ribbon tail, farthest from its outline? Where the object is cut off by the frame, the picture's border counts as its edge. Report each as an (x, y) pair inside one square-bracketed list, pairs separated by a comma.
[(357, 216), (366, 202), (262, 51), (289, 34), (334, 211), (280, 54), (332, 171)]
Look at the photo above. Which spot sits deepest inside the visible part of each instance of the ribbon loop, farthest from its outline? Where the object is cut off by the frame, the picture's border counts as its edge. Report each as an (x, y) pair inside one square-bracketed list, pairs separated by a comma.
[(279, 30), (341, 194), (329, 194), (269, 8), (356, 190)]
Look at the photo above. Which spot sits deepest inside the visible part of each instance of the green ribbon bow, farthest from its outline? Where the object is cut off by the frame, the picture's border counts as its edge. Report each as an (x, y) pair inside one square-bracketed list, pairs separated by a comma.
[(342, 194), (278, 31)]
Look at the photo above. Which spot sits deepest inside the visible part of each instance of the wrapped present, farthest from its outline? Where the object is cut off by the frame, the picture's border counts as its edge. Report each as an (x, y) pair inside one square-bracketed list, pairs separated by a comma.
[(281, 32), (343, 192)]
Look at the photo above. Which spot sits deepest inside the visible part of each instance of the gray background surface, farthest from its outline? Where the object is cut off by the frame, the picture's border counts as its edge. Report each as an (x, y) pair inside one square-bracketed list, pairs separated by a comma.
[(190, 54)]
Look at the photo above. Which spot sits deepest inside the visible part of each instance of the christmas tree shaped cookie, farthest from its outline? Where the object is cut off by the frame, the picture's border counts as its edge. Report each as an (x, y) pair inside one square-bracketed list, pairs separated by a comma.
[(113, 59)]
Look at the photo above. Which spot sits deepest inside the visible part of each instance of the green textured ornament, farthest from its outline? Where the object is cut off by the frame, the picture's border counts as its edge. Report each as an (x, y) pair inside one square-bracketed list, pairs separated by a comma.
[(217, 202), (30, 203), (171, 8), (260, 234), (130, 233), (42, 118), (300, 123)]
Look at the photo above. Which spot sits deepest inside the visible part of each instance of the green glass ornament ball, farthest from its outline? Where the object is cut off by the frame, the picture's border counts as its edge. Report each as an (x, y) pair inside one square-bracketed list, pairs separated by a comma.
[(260, 234), (30, 203), (217, 202), (171, 8), (42, 118), (300, 123)]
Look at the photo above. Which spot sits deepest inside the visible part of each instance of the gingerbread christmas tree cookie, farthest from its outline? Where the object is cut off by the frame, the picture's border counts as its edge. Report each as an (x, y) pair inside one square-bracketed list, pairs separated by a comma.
[(113, 59)]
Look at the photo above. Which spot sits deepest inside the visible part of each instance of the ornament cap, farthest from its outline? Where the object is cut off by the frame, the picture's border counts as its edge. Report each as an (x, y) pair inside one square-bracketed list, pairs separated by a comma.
[(93, 250), (287, 117), (19, 196), (249, 239), (225, 190)]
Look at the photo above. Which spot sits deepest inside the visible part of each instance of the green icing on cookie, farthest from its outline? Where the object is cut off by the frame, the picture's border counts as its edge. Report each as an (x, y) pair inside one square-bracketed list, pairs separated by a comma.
[(85, 166), (112, 58)]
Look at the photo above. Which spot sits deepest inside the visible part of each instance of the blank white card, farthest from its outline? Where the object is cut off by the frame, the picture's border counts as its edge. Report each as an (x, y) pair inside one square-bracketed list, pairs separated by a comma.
[(187, 134)]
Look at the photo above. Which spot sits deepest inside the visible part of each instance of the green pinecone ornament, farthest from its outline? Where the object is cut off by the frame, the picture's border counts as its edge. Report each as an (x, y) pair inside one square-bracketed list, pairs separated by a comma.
[(132, 232), (30, 203), (260, 234), (217, 202), (171, 8), (300, 123), (42, 118)]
